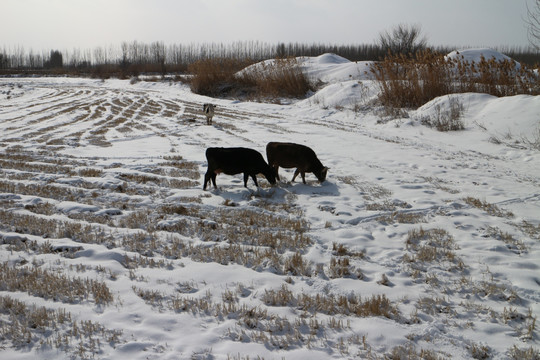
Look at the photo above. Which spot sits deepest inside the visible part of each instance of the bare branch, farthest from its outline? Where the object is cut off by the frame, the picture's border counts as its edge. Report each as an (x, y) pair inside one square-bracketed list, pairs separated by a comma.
[(533, 22), (403, 39)]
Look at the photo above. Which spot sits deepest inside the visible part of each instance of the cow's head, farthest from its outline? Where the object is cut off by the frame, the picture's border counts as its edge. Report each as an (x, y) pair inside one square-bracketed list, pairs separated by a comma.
[(271, 176), (321, 175)]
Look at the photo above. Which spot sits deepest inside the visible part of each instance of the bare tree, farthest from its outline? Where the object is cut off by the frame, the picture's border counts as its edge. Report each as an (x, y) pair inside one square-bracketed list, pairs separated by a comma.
[(533, 22), (403, 39), (124, 62), (55, 60), (159, 54)]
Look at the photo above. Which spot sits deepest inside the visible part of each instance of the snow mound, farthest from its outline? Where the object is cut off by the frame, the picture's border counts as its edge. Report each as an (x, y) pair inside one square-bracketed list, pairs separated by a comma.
[(347, 94), (331, 68), (511, 117), (475, 55), (330, 58), (326, 68)]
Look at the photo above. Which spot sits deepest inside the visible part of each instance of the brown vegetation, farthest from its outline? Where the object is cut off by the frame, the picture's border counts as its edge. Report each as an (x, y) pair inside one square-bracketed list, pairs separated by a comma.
[(220, 76), (410, 82)]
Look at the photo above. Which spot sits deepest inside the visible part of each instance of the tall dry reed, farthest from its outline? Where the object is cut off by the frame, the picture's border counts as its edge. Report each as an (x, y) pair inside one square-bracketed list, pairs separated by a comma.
[(268, 80), (410, 82)]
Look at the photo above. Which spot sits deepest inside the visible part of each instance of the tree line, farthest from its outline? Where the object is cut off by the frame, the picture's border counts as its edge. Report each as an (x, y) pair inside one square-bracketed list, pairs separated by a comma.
[(134, 58)]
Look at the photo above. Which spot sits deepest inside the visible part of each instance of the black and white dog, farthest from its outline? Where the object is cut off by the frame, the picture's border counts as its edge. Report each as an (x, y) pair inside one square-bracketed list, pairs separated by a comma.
[(208, 110)]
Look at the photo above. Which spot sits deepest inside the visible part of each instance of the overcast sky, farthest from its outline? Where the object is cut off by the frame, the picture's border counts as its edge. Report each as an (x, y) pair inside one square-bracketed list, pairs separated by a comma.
[(86, 24)]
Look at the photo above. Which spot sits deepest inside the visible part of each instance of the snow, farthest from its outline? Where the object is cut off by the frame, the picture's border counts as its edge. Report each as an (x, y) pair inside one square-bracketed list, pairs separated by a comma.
[(387, 179), (476, 55), (326, 68), (332, 68), (514, 118)]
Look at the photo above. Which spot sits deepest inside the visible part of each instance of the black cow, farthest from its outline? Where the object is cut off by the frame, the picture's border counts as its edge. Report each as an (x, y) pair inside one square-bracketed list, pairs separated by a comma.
[(208, 110), (236, 160), (290, 155)]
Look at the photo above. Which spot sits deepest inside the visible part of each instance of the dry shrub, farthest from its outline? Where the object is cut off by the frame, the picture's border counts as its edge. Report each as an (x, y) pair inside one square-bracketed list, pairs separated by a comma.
[(448, 119), (407, 82), (410, 82), (215, 77), (282, 77), (279, 78), (494, 77)]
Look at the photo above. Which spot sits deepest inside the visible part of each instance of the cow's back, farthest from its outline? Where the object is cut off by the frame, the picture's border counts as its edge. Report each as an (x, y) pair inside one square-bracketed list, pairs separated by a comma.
[(233, 160), (289, 155)]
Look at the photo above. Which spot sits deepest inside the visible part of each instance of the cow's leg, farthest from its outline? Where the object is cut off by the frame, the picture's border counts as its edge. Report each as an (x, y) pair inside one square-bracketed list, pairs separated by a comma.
[(296, 172), (214, 180), (276, 170), (303, 176), (253, 176), (207, 177)]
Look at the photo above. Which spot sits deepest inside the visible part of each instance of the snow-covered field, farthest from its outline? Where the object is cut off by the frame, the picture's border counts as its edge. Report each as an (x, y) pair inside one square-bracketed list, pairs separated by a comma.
[(420, 244)]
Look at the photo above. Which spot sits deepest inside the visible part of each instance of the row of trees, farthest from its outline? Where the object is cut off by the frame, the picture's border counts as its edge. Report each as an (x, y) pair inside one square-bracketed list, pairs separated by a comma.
[(175, 58), (19, 59), (176, 55), (132, 58)]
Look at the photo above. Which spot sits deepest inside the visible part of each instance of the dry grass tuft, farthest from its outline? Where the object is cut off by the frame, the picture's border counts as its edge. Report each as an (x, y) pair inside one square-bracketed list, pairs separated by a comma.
[(402, 217), (24, 326), (376, 305), (529, 353), (90, 172), (49, 285), (491, 209), (433, 246), (516, 245), (530, 229), (410, 352), (446, 119)]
